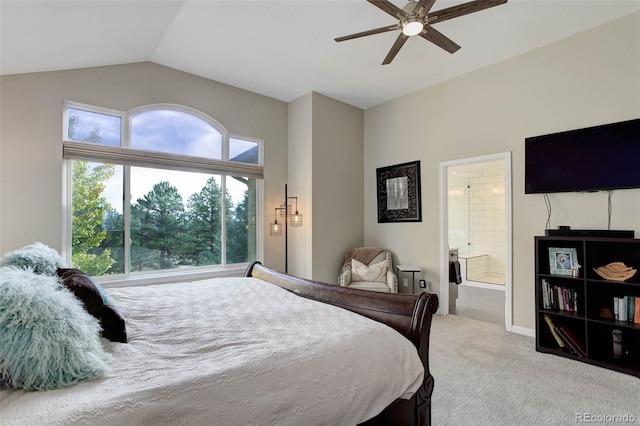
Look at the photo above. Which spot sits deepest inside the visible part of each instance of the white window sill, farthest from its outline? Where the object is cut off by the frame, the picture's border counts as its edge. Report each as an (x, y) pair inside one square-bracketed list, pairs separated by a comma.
[(166, 277)]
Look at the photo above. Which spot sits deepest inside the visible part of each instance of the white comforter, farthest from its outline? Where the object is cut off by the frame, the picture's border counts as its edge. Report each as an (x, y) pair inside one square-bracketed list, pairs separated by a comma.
[(233, 351)]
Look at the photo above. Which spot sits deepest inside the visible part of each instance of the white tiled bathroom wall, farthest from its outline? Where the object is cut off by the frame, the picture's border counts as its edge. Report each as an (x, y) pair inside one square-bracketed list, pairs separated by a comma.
[(477, 221)]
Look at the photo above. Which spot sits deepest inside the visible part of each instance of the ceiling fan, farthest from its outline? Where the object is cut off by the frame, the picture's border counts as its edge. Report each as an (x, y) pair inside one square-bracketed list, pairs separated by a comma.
[(415, 18)]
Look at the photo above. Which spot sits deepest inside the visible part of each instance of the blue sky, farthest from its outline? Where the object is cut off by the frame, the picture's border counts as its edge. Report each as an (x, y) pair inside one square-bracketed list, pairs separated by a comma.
[(160, 130), (165, 131)]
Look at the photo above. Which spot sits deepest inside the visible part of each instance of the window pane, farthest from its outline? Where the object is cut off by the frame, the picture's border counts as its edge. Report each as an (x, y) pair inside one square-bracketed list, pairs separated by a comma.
[(93, 127), (175, 219), (241, 220), (175, 132), (243, 151), (97, 229)]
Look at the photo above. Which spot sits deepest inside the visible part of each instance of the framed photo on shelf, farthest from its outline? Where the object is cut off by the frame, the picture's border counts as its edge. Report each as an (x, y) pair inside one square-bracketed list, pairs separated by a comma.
[(562, 261), (398, 189)]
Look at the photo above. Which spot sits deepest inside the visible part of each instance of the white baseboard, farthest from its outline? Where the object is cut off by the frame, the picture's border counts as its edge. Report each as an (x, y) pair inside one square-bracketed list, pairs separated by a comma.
[(524, 331)]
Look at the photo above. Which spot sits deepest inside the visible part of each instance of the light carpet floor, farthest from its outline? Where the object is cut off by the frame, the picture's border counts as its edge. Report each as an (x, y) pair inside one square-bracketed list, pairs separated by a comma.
[(481, 304), (485, 375)]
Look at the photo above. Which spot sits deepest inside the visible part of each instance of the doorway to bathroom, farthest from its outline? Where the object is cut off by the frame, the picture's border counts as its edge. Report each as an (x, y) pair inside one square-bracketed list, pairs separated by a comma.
[(476, 238)]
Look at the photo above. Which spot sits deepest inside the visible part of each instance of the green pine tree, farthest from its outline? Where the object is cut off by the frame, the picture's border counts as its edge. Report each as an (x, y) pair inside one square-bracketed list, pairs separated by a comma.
[(204, 212), (157, 228)]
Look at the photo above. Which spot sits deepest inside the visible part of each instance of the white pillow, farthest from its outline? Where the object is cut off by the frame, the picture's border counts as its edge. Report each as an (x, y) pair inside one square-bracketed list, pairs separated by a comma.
[(376, 272)]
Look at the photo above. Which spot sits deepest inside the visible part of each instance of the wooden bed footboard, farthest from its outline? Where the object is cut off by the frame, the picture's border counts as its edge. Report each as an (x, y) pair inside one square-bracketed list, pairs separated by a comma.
[(410, 315)]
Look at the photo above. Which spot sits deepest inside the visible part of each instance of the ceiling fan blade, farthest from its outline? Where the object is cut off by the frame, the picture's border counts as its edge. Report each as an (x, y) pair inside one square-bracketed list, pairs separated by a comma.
[(423, 7), (390, 8), (395, 49), (461, 9), (439, 39), (368, 33)]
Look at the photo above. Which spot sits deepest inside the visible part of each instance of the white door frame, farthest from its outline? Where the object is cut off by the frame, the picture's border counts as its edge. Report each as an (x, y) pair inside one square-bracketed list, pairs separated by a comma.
[(443, 307)]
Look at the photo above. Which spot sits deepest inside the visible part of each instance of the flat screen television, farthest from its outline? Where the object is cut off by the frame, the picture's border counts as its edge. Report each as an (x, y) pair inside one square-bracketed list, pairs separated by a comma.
[(585, 160)]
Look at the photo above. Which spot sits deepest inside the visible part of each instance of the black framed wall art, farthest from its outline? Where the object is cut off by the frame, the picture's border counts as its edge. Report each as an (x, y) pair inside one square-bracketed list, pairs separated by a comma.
[(399, 193)]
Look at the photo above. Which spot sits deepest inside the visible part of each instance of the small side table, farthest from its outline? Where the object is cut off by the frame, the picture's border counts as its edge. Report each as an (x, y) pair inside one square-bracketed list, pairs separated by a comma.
[(407, 269)]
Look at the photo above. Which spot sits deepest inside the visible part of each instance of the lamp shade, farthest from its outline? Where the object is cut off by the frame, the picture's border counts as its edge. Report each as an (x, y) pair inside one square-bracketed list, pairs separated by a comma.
[(275, 229), (282, 210), (296, 219)]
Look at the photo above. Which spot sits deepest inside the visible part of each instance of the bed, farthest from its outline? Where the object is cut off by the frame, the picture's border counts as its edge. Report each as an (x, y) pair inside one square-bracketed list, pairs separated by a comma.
[(257, 349)]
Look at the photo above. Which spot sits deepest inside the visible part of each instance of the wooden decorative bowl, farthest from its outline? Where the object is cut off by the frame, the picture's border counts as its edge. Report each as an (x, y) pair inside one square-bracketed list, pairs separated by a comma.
[(615, 271)]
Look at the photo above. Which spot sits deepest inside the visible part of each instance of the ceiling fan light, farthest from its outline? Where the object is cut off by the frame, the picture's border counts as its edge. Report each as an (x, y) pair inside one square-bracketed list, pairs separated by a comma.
[(412, 27)]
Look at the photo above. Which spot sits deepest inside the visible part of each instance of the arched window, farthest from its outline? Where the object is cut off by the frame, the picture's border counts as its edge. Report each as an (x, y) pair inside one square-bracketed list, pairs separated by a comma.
[(160, 189)]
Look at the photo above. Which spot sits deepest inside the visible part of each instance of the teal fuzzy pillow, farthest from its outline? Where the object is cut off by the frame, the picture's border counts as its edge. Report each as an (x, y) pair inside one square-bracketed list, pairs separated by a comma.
[(38, 257), (48, 340)]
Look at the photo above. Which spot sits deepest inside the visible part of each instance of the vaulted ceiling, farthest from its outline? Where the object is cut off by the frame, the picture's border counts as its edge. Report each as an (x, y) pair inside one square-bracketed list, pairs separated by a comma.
[(284, 49)]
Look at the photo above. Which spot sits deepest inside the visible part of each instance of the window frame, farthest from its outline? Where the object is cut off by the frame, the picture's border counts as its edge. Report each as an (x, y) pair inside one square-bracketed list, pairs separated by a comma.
[(126, 156)]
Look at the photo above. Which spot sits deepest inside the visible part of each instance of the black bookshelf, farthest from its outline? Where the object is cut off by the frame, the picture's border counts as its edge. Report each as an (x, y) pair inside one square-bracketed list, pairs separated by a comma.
[(578, 304)]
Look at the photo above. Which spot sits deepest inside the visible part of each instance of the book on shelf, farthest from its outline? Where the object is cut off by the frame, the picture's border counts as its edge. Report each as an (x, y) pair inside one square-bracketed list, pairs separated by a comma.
[(571, 341), (626, 308), (546, 296), (559, 298), (554, 333)]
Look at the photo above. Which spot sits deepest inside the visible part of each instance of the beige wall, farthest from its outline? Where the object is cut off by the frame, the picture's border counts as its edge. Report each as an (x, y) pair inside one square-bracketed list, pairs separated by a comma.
[(31, 136), (326, 168), (338, 199), (299, 178), (589, 79)]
